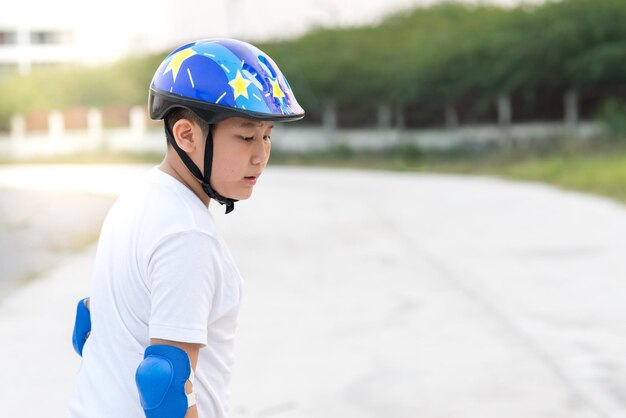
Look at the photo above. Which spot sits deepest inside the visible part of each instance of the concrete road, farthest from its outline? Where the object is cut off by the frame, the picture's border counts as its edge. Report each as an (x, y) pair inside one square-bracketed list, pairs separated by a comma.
[(375, 294)]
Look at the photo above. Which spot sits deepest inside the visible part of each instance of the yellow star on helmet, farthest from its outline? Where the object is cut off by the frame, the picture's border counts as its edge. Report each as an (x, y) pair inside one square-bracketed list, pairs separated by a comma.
[(240, 85), (276, 91), (177, 60)]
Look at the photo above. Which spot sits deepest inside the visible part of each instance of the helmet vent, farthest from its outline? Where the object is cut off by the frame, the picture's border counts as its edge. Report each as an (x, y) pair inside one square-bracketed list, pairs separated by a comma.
[(267, 66)]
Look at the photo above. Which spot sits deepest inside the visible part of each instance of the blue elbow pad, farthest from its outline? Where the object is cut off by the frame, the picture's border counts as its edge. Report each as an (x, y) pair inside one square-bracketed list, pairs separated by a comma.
[(82, 326), (161, 378)]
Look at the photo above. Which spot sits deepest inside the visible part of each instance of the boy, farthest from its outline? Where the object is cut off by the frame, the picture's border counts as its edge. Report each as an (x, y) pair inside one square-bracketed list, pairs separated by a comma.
[(166, 292)]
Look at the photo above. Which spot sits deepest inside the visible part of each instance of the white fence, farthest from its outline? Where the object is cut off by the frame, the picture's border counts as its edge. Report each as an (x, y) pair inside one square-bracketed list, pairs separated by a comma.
[(139, 138)]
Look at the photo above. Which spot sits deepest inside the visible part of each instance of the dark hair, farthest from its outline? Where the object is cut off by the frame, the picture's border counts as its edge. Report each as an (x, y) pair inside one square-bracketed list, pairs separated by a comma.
[(179, 113)]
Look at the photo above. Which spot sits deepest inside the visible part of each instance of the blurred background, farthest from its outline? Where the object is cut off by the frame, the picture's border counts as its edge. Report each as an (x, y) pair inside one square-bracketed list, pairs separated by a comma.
[(412, 79), (409, 85), (405, 101)]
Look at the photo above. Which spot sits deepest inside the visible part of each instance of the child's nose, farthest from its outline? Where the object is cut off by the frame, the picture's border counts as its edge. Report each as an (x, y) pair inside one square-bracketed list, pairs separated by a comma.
[(260, 153)]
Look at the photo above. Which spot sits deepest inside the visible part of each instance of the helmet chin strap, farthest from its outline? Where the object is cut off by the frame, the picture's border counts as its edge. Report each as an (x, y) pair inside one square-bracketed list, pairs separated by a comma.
[(205, 178)]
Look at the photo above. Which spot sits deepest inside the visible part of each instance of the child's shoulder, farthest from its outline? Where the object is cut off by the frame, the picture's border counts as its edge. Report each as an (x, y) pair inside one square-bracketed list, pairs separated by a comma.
[(158, 201)]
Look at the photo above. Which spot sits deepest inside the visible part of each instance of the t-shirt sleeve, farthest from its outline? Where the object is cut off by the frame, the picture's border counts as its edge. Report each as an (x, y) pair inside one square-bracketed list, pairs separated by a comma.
[(182, 273)]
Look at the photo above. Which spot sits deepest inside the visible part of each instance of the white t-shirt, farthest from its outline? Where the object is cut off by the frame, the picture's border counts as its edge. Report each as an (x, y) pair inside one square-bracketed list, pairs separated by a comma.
[(161, 271)]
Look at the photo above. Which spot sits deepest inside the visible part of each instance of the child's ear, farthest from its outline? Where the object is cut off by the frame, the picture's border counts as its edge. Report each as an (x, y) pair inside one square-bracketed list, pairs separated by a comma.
[(183, 133)]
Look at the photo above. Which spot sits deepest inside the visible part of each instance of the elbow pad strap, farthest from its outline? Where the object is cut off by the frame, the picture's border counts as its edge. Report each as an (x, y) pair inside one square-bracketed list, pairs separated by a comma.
[(161, 378), (191, 397)]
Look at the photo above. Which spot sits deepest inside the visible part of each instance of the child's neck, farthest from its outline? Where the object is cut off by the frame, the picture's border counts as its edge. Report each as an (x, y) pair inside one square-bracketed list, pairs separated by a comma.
[(182, 174)]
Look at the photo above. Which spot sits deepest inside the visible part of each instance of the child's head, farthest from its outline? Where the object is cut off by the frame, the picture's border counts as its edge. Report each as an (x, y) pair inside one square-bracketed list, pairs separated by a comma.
[(222, 88)]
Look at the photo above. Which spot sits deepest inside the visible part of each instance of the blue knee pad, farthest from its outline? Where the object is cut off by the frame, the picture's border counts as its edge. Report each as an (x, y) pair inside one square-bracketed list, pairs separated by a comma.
[(161, 378), (82, 326)]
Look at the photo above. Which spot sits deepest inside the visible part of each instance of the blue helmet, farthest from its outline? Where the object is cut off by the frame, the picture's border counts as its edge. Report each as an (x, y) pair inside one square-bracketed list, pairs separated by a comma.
[(218, 79), (221, 78)]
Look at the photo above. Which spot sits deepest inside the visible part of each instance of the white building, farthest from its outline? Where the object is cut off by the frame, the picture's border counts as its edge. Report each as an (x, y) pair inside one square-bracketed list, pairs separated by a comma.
[(22, 49), (63, 32)]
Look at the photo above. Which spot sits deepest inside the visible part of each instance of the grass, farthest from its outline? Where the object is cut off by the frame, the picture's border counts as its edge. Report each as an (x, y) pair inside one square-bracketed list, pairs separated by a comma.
[(597, 167), (599, 174)]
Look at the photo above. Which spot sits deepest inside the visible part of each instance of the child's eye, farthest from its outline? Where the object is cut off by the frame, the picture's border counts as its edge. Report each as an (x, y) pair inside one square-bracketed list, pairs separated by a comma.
[(267, 137), (247, 138)]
